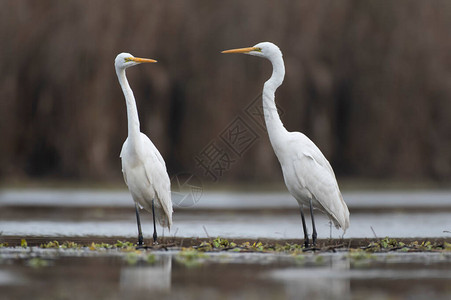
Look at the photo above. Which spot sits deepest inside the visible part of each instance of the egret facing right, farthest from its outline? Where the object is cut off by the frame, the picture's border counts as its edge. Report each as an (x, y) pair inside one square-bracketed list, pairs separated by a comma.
[(143, 166), (307, 173)]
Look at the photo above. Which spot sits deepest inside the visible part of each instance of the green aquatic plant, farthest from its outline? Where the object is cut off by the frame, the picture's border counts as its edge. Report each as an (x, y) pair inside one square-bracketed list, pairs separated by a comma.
[(2, 245), (97, 246), (390, 244), (288, 248), (70, 245), (259, 247), (217, 244), (447, 246), (255, 247), (423, 246), (52, 244), (56, 245), (121, 245), (204, 247), (125, 246), (222, 243), (190, 257), (384, 245)]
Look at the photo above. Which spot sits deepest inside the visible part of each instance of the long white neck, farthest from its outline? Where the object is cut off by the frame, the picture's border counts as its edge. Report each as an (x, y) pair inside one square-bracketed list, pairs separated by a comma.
[(276, 131), (132, 111)]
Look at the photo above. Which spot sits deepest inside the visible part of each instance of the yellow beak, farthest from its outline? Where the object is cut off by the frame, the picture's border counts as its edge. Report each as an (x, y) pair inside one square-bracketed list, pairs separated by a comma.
[(241, 50), (143, 60)]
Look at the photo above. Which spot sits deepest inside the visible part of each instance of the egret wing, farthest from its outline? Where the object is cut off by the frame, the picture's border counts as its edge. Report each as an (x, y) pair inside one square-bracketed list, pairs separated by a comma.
[(158, 177), (315, 174)]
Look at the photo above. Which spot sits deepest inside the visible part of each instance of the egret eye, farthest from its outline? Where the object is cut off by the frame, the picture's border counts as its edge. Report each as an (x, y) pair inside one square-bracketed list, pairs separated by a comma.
[(127, 59), (258, 49)]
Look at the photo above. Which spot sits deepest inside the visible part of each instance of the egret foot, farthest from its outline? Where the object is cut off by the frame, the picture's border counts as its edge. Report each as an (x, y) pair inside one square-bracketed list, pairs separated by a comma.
[(304, 227), (140, 244), (155, 242), (312, 248)]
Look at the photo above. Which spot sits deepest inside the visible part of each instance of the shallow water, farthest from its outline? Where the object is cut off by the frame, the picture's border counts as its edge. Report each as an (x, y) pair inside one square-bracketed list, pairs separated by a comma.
[(80, 275), (200, 199), (229, 215), (230, 225)]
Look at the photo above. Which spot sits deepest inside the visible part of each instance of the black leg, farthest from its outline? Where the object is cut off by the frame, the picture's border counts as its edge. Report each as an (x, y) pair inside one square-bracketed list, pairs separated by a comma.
[(140, 233), (305, 229), (154, 226), (330, 229), (314, 235)]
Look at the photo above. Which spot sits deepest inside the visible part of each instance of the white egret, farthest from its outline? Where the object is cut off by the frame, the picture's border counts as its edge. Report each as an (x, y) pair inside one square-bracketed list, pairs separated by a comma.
[(143, 166), (307, 173)]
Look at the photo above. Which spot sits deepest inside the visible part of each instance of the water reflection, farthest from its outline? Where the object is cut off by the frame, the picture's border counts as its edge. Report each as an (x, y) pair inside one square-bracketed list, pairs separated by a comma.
[(310, 282), (319, 279), (79, 275), (147, 278), (10, 278)]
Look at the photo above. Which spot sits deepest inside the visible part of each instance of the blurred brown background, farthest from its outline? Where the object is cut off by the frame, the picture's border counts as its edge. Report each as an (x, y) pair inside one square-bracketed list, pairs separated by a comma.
[(368, 81)]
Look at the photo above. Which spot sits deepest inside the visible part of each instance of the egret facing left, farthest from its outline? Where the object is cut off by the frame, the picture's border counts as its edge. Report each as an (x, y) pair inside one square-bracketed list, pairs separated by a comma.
[(143, 166)]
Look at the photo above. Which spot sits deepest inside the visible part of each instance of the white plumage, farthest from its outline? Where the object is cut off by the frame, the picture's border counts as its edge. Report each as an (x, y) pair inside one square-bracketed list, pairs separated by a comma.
[(307, 173), (146, 177), (142, 165)]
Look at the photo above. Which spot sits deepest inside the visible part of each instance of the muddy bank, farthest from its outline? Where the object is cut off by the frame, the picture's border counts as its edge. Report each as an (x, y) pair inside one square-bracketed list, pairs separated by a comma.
[(178, 243)]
